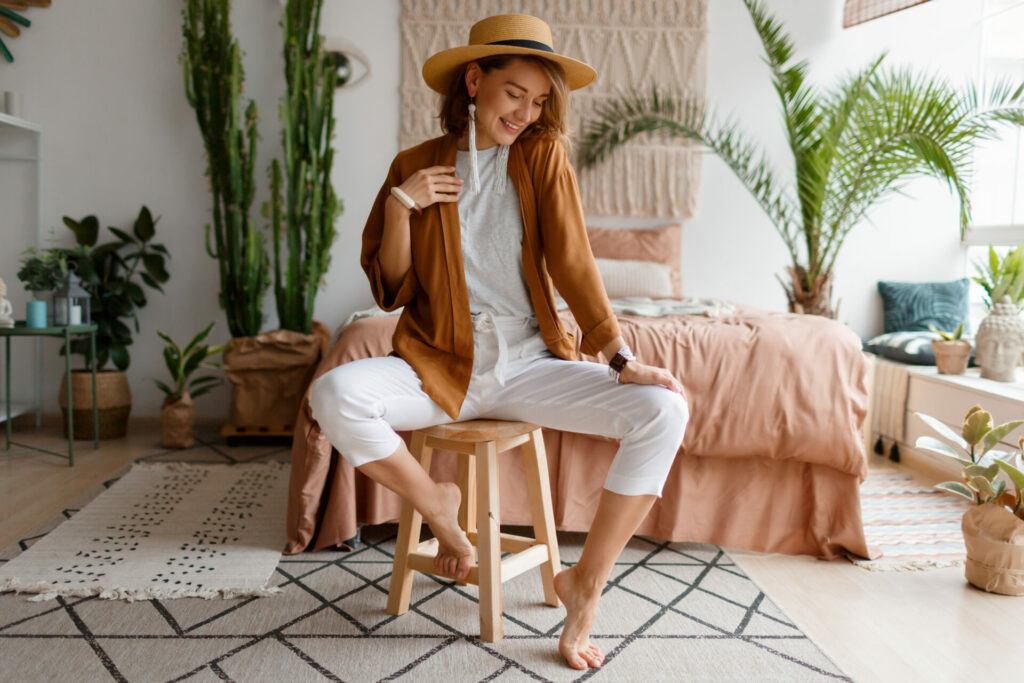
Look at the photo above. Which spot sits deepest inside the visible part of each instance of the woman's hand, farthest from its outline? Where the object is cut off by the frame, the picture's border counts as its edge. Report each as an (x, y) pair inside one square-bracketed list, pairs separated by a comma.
[(432, 185), (638, 373)]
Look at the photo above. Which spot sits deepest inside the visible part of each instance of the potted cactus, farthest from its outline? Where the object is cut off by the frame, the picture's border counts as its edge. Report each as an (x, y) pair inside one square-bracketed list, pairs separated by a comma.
[(952, 351), (994, 528)]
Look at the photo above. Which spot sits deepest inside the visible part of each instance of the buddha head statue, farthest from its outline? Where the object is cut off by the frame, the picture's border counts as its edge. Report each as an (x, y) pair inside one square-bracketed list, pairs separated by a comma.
[(1000, 342)]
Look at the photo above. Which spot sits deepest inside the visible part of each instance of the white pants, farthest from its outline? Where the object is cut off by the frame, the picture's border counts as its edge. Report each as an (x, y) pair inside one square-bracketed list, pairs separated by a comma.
[(360, 405)]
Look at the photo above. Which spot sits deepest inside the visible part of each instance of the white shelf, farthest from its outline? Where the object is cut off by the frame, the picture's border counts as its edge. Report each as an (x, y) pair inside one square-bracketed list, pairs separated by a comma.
[(15, 122), (17, 408)]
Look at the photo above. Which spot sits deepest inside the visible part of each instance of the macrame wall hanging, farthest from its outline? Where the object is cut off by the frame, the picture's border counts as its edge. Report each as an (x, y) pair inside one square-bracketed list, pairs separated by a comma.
[(629, 42)]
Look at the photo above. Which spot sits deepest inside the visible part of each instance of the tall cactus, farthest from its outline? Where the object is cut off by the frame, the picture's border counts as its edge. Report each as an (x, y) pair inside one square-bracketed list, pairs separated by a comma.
[(213, 85), (306, 224)]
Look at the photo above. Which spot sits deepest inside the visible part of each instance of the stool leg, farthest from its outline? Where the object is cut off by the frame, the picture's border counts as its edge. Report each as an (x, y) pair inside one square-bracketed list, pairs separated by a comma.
[(488, 541), (467, 484), (466, 480), (400, 589), (539, 487)]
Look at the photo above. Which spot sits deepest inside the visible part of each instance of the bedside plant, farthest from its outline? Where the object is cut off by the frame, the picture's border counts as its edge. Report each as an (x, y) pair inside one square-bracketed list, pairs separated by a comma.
[(994, 528), (178, 412), (42, 270), (951, 351)]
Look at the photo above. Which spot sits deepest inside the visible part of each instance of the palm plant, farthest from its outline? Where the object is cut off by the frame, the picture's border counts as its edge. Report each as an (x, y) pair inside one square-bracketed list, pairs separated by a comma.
[(851, 145)]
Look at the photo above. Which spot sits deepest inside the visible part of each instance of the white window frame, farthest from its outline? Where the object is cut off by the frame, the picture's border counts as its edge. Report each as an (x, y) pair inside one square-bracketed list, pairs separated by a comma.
[(996, 235)]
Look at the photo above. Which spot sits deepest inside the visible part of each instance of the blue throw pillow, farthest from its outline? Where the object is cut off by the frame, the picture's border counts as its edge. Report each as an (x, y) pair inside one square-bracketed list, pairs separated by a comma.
[(913, 305), (914, 348)]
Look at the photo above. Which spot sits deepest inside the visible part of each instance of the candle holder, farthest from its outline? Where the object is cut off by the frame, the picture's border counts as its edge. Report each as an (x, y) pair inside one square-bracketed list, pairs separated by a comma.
[(71, 303)]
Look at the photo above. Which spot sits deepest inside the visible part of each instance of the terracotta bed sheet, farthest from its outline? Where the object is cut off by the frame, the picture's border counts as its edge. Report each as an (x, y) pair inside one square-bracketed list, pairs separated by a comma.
[(772, 458)]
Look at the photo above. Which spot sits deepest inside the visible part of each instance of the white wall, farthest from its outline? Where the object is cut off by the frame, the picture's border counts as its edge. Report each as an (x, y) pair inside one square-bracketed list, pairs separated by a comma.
[(103, 79)]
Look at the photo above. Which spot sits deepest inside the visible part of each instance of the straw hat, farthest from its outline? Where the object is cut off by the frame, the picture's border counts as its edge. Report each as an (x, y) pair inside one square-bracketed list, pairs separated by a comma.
[(504, 34)]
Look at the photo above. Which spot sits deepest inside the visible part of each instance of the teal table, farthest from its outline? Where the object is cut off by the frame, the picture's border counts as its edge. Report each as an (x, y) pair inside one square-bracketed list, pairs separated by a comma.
[(67, 332)]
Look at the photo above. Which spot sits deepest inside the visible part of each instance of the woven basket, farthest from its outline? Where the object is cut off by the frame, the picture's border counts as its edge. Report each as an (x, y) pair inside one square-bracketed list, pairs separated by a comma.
[(113, 400)]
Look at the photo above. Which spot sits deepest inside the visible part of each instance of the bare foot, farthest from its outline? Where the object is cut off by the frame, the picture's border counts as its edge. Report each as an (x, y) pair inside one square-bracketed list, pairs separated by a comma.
[(454, 553), (581, 608)]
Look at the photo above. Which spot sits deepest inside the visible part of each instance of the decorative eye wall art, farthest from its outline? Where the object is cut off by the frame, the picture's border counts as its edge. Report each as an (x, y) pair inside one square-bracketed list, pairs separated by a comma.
[(352, 64), (11, 21)]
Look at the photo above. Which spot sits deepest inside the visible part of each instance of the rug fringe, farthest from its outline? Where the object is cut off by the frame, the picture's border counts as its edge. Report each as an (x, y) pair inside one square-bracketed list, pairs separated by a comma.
[(905, 566), (45, 591)]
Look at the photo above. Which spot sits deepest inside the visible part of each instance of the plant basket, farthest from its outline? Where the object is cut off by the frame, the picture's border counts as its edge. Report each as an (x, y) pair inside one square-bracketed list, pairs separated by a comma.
[(178, 422), (951, 356), (995, 549), (269, 374), (113, 401)]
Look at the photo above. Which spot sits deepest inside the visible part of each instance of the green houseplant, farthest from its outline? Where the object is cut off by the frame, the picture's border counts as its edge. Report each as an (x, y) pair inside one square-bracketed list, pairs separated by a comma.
[(213, 85), (42, 270), (178, 412), (1001, 277), (852, 145), (952, 351), (994, 527), (115, 274), (304, 221)]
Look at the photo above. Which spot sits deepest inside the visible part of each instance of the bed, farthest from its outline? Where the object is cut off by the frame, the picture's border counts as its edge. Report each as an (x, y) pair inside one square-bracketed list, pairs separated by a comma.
[(772, 459)]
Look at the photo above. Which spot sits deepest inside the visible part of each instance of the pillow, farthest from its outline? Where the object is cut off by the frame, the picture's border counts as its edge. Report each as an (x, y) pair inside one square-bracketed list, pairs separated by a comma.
[(913, 305), (658, 245), (914, 347), (624, 278)]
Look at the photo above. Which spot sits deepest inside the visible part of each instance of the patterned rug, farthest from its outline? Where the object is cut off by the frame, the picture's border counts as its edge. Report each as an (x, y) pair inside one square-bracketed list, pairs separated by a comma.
[(915, 526), (671, 611)]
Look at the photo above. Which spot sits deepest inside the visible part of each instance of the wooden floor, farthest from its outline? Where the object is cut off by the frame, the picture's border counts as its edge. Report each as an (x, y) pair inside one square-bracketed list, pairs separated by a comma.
[(877, 626)]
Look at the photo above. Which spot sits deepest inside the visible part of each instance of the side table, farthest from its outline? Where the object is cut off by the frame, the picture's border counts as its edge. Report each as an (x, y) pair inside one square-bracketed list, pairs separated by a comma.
[(67, 332)]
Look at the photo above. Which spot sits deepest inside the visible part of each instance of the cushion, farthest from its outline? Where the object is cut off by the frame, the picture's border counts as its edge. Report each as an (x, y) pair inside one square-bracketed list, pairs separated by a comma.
[(656, 245), (915, 305), (625, 278), (914, 347)]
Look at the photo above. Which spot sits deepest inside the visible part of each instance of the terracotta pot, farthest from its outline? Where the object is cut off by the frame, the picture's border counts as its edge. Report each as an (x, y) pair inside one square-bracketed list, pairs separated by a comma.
[(178, 422), (995, 549), (951, 356), (113, 400), (269, 375)]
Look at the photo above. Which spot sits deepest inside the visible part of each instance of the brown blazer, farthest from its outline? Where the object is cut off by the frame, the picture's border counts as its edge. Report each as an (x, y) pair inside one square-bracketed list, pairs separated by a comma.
[(435, 330)]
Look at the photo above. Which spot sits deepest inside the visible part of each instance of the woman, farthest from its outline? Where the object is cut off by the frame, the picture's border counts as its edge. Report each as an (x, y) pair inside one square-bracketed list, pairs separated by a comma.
[(468, 233)]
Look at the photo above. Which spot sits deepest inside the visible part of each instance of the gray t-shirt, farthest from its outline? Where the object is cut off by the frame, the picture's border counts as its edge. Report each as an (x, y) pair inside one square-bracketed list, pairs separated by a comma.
[(492, 241)]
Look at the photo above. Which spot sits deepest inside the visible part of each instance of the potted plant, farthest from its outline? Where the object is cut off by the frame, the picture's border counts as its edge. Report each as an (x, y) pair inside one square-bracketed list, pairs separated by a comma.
[(269, 373), (178, 412), (951, 351), (114, 274), (852, 146), (42, 270), (994, 528), (1001, 277)]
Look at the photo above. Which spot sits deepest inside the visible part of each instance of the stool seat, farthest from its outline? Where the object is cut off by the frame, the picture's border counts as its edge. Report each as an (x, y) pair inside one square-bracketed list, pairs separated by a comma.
[(477, 444), (480, 430)]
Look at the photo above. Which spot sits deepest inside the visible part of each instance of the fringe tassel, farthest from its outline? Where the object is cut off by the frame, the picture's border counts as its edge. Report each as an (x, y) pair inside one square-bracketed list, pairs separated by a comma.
[(474, 166)]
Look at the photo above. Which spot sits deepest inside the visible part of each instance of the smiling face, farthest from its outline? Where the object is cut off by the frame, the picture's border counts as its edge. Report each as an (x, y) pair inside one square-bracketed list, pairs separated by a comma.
[(508, 100)]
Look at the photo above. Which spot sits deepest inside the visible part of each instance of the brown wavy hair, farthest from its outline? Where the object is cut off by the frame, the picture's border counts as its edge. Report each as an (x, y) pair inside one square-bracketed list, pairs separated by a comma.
[(554, 115)]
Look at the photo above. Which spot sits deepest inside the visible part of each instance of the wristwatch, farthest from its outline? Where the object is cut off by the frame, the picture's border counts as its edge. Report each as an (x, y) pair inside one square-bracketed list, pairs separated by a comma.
[(406, 201), (618, 362)]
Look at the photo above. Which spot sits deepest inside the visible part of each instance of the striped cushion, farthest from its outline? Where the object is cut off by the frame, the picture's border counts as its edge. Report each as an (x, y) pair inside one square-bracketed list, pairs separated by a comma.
[(913, 305), (914, 348)]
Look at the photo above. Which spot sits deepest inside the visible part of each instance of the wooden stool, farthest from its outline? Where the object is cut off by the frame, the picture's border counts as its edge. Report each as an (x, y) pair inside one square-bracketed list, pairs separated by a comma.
[(478, 444)]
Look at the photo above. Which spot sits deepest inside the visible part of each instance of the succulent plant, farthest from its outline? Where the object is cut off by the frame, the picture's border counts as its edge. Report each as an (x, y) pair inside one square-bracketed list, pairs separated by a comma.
[(948, 336)]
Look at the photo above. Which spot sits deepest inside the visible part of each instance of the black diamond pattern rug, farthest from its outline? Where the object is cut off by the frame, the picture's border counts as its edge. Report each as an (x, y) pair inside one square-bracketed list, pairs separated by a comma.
[(672, 611)]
